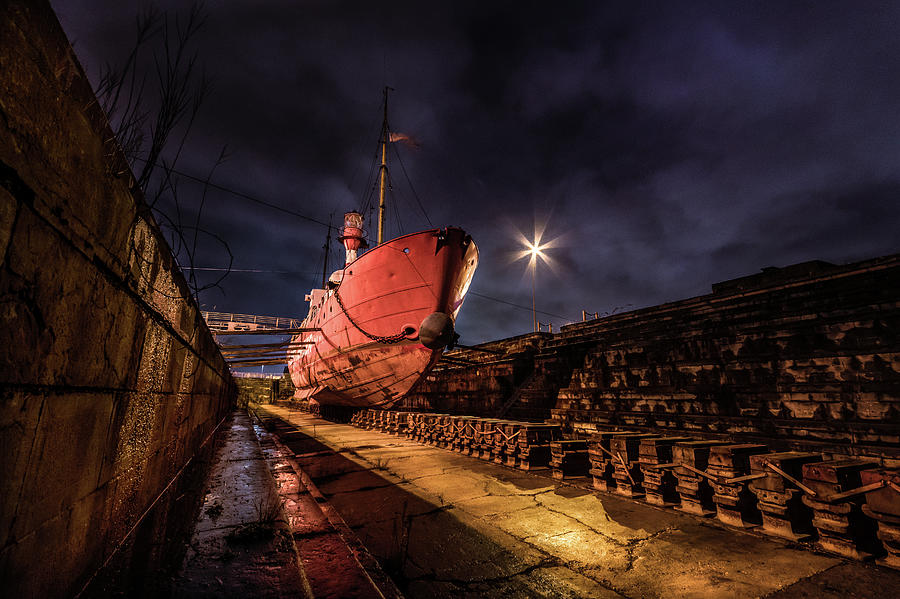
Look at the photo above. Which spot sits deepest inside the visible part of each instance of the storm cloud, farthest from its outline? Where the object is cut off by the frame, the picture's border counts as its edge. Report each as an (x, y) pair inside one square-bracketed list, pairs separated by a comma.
[(667, 145)]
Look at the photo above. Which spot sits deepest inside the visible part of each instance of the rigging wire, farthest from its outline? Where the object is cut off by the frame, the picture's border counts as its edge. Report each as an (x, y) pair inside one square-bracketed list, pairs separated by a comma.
[(413, 189), (250, 270), (371, 181), (394, 202), (494, 299), (246, 196), (360, 146)]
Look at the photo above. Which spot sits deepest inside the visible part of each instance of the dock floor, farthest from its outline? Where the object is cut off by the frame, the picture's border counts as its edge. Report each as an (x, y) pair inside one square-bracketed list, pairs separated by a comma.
[(447, 525)]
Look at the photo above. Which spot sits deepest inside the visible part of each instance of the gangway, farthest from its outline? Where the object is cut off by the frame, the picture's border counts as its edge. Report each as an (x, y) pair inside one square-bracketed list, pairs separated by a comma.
[(226, 324), (226, 321)]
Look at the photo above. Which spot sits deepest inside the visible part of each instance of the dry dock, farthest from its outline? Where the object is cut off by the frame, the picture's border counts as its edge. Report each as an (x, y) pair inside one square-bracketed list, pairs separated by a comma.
[(443, 524)]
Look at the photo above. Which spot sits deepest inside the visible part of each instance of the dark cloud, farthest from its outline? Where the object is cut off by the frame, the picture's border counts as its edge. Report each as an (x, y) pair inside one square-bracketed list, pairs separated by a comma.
[(667, 145)]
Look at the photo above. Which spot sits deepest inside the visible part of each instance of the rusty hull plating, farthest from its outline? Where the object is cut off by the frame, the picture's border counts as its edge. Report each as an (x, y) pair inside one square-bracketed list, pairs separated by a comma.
[(367, 352)]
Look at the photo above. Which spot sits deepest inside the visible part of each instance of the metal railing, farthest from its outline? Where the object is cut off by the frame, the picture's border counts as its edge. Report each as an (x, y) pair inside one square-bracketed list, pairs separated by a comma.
[(226, 321)]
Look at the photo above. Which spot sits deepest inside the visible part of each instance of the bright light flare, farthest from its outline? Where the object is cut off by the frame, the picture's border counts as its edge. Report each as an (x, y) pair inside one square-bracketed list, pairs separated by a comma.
[(536, 249)]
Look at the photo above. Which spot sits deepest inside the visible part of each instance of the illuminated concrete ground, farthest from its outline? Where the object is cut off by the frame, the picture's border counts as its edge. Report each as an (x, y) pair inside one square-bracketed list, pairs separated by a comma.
[(443, 524)]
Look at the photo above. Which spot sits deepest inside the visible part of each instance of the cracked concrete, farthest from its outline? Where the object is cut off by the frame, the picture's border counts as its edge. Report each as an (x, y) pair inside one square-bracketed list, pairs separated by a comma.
[(447, 525)]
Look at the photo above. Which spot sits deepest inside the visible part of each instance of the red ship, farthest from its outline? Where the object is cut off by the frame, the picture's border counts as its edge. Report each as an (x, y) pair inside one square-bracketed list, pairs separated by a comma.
[(383, 320)]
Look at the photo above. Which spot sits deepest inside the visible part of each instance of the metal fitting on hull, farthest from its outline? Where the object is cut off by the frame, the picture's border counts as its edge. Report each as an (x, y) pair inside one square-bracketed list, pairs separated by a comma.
[(436, 331)]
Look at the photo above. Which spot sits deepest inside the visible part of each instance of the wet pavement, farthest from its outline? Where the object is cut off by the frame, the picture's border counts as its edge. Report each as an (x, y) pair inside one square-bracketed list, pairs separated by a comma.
[(446, 525), (241, 545)]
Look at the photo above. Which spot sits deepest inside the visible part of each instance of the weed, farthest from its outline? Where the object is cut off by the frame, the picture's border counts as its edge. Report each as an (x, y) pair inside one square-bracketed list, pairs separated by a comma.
[(381, 463), (268, 508)]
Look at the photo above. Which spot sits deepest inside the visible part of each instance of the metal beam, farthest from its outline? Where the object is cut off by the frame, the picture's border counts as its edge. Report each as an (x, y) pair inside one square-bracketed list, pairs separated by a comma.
[(246, 363), (266, 332), (227, 348)]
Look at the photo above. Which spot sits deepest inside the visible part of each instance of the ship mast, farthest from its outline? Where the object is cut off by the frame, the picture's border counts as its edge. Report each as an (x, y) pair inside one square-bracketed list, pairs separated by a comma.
[(326, 247), (384, 141)]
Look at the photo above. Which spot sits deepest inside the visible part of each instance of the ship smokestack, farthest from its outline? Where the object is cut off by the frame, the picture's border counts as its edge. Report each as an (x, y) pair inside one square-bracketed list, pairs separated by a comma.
[(352, 235)]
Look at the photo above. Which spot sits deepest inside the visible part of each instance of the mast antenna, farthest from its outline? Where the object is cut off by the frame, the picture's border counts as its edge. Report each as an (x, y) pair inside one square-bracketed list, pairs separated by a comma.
[(385, 134), (326, 248)]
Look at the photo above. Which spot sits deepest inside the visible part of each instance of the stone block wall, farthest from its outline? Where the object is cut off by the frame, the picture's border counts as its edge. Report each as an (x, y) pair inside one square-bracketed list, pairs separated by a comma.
[(804, 357), (109, 379), (469, 381), (259, 390)]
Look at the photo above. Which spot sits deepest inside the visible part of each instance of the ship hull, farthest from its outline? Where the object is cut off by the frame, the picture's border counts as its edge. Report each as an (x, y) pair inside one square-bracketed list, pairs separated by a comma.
[(367, 351)]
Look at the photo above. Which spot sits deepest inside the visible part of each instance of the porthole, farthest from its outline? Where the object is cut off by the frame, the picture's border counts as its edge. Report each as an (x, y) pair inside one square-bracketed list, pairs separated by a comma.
[(405, 250)]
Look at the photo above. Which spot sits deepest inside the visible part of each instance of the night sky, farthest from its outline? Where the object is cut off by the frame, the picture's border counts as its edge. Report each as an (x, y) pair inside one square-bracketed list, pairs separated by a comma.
[(663, 146)]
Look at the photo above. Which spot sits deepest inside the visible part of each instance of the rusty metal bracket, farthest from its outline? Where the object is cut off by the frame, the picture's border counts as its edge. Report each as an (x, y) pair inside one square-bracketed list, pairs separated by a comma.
[(841, 497), (790, 478), (625, 466), (712, 477), (508, 437), (745, 478), (721, 480), (621, 460)]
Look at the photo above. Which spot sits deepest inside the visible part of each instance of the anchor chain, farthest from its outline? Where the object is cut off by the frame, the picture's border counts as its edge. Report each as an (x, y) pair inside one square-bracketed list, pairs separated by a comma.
[(379, 338)]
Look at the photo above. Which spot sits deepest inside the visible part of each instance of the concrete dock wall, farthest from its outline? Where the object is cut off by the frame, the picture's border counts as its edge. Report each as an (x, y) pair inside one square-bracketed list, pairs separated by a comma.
[(109, 378)]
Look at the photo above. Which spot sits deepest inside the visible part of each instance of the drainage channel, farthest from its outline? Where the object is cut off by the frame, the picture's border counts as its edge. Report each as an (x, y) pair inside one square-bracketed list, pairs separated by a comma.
[(336, 564)]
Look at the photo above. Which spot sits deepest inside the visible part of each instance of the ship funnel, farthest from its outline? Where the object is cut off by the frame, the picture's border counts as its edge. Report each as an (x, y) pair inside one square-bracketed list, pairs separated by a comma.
[(352, 235)]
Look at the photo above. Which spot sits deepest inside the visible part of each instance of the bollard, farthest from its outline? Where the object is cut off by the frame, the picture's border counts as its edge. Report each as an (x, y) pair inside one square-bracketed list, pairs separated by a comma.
[(373, 423), (657, 465), (511, 432), (569, 459), (470, 433), (377, 419), (385, 422), (837, 507), (534, 444), (483, 428), (883, 506), (444, 431), (498, 442), (401, 424), (414, 426), (485, 439), (625, 450), (779, 493), (729, 472), (433, 429), (602, 458), (458, 425), (693, 488)]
